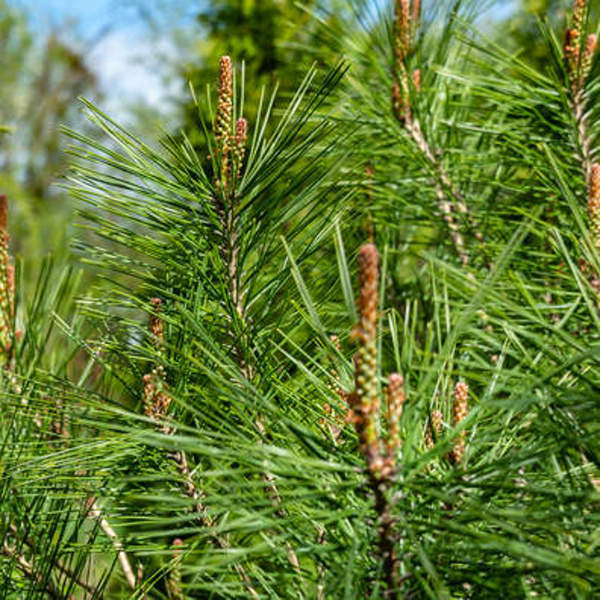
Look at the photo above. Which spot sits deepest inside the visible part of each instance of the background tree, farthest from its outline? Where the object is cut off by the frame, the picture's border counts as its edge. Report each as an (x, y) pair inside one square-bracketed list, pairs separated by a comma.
[(39, 83), (523, 25), (269, 36)]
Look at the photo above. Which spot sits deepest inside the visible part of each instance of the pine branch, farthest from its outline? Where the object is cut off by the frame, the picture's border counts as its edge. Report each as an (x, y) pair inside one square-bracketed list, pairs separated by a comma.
[(96, 513), (364, 404), (226, 142), (450, 201), (157, 401)]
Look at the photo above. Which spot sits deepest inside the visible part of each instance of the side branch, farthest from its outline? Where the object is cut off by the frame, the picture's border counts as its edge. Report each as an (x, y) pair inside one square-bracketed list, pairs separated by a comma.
[(157, 400), (28, 571), (96, 513), (450, 201), (57, 564)]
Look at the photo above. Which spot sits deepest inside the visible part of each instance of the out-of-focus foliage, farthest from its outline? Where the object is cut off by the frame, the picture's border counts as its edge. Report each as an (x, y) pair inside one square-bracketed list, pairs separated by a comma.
[(40, 81), (269, 36), (522, 26)]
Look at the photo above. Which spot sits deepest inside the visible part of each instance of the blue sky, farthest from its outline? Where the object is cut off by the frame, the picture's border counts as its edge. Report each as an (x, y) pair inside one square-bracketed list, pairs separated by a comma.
[(129, 60), (91, 14)]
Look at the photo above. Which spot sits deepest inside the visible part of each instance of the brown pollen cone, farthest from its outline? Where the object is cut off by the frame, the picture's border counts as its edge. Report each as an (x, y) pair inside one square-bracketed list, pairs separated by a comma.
[(156, 397), (401, 30), (396, 397), (434, 429), (364, 401), (401, 45), (224, 117), (459, 412), (416, 13), (578, 65), (156, 323), (417, 79), (594, 203), (239, 143), (571, 51), (591, 44)]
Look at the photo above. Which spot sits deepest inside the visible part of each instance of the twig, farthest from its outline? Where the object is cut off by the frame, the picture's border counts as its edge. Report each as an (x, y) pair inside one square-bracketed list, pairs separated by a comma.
[(57, 564), (156, 403), (96, 513), (447, 207), (386, 536), (27, 569)]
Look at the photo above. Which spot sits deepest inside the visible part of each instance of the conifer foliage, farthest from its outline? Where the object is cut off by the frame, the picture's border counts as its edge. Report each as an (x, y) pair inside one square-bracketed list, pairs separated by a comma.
[(347, 350)]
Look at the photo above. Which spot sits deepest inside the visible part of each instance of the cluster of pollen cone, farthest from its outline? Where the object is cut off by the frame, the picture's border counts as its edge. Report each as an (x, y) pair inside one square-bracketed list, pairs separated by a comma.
[(579, 51), (578, 48), (406, 21), (230, 142), (379, 450)]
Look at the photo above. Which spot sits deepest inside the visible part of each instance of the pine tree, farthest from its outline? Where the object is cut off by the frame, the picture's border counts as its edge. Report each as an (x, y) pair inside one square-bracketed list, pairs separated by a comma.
[(346, 350)]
